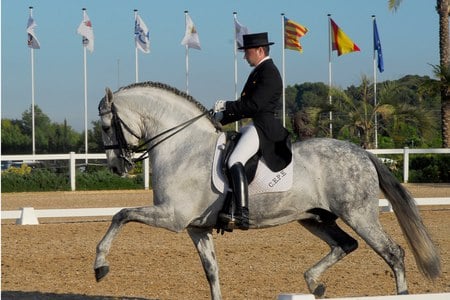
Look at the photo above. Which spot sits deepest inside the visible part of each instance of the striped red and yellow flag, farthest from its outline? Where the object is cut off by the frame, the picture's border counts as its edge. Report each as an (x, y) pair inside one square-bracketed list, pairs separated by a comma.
[(293, 31)]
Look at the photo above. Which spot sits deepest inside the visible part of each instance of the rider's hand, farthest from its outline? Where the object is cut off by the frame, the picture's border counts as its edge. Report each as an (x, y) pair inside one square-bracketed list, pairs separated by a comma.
[(219, 106)]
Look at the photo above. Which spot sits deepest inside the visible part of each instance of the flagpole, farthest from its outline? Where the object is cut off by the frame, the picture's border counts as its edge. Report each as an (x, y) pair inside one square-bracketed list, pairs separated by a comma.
[(235, 66), (283, 77), (85, 99), (329, 76), (375, 85), (187, 57), (33, 133), (136, 51)]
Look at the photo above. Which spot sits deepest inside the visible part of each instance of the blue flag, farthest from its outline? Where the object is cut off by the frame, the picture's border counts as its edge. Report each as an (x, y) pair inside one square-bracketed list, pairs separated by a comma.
[(377, 46)]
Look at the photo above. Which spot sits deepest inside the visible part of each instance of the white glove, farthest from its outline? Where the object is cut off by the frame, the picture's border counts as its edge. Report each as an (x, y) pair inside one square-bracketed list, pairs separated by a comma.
[(219, 106)]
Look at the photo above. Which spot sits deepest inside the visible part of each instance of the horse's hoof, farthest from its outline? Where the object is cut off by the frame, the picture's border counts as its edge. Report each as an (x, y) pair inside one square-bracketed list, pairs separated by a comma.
[(101, 272), (319, 291)]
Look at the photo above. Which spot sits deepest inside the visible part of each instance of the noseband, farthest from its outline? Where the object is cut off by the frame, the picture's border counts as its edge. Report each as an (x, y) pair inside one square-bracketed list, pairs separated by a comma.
[(126, 150)]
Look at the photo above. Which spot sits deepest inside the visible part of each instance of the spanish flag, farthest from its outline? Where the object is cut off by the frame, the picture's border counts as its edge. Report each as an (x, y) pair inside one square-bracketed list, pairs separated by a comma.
[(292, 33), (340, 41)]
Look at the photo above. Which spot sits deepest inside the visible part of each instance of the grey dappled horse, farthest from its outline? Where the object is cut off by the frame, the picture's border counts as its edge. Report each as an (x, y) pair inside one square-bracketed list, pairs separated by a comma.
[(332, 179)]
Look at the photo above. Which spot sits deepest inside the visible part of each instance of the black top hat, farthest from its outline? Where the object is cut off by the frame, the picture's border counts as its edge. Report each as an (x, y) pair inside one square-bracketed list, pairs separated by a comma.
[(255, 40)]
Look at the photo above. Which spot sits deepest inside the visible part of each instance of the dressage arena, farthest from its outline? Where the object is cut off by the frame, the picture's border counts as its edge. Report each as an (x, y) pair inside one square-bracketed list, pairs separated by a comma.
[(54, 260)]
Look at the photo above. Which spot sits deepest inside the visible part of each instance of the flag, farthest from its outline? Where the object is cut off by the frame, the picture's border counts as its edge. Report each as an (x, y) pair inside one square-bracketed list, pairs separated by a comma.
[(240, 30), (377, 46), (86, 31), (141, 35), (191, 39), (293, 31), (340, 41), (32, 40)]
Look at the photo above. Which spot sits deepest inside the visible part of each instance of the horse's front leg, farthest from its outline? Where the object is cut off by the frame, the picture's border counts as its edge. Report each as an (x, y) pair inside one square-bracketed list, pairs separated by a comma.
[(203, 241), (158, 216)]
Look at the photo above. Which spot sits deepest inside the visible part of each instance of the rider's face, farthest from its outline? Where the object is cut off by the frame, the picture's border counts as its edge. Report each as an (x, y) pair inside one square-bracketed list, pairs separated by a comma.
[(254, 55)]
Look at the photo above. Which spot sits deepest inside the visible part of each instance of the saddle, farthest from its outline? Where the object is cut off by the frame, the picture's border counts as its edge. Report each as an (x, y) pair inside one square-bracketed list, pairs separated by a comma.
[(259, 177)]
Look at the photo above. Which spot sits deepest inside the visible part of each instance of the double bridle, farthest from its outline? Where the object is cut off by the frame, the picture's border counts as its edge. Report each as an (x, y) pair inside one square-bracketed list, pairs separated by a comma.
[(126, 150)]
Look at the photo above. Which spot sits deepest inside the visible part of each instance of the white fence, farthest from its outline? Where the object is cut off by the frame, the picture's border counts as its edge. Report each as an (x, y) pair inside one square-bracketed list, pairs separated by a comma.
[(72, 157), (29, 216)]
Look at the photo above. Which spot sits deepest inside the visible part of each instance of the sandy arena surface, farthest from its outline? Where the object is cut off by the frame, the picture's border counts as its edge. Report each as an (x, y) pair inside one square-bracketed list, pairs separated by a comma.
[(54, 260)]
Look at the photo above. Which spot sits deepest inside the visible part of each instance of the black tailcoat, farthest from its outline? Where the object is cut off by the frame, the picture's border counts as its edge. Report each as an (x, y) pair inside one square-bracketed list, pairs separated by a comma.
[(259, 101)]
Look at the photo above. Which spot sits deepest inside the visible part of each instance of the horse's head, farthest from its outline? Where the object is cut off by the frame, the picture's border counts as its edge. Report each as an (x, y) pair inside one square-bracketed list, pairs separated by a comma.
[(118, 139)]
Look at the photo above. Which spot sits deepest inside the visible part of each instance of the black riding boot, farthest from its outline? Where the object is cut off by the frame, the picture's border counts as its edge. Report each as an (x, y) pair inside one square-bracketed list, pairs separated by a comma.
[(240, 190)]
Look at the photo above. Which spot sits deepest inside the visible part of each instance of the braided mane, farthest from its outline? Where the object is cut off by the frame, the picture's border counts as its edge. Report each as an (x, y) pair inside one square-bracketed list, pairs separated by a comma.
[(173, 90)]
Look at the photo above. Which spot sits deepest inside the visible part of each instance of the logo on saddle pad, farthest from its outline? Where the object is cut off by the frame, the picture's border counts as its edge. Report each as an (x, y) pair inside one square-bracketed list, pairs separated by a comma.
[(265, 180)]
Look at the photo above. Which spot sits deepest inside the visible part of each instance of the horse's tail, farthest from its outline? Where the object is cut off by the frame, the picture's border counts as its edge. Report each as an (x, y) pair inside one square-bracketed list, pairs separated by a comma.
[(425, 253)]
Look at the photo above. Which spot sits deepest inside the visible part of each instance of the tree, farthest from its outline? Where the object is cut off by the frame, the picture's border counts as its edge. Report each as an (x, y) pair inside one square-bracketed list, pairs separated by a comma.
[(95, 137), (49, 137), (403, 119), (42, 128), (443, 10), (13, 139), (312, 119), (408, 123), (64, 139)]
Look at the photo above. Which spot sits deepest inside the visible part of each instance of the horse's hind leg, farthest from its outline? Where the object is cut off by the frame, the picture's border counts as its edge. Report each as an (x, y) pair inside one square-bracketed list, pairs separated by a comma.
[(203, 241), (340, 243), (370, 230)]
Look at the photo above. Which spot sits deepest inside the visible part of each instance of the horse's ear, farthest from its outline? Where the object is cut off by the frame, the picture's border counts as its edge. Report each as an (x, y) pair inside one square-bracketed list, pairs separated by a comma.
[(109, 95)]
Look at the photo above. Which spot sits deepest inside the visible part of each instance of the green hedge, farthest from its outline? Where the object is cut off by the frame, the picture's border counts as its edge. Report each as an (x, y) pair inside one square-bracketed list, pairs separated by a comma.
[(39, 180), (423, 168), (430, 168), (36, 180)]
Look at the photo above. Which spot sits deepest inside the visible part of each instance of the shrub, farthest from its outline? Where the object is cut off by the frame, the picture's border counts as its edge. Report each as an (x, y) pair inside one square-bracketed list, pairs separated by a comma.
[(36, 181), (39, 180), (430, 168), (105, 180)]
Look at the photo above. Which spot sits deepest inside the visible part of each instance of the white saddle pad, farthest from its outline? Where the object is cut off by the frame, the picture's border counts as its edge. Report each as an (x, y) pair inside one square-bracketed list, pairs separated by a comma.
[(265, 180)]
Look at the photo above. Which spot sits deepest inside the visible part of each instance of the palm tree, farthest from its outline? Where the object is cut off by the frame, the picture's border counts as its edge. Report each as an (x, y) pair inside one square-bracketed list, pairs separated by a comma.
[(358, 112), (443, 9)]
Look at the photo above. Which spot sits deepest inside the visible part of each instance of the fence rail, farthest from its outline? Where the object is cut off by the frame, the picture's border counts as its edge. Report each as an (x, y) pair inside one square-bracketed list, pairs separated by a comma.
[(30, 216), (72, 157)]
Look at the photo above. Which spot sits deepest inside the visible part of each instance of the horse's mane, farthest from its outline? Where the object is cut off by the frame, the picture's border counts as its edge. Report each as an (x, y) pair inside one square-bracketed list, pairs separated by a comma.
[(173, 90)]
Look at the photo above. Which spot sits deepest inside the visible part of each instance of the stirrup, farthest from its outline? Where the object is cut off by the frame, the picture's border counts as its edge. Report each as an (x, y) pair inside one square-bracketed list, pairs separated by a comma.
[(233, 222), (229, 220)]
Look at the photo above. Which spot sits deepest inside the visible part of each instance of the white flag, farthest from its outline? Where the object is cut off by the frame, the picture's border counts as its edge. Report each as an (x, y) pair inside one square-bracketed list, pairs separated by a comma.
[(85, 30), (240, 31), (141, 35), (191, 39), (32, 40)]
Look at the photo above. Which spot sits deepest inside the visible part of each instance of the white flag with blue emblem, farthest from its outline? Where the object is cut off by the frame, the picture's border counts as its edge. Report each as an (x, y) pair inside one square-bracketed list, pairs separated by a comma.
[(141, 35), (86, 31), (32, 40)]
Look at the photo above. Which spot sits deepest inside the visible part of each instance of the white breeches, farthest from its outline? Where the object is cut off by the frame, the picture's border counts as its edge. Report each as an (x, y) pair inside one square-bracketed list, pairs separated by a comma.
[(247, 146)]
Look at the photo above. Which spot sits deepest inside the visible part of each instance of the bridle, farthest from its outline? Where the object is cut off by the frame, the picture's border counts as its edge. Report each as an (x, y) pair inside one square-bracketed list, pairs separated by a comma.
[(126, 150)]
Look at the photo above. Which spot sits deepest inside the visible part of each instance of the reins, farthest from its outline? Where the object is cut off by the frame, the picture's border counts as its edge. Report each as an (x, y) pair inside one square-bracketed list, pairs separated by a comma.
[(172, 131), (125, 148)]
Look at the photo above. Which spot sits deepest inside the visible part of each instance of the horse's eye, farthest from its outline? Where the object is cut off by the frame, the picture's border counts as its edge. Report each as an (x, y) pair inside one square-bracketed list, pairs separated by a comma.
[(105, 128)]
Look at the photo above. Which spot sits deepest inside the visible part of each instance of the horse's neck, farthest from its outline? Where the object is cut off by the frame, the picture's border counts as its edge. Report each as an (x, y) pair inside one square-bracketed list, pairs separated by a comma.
[(195, 142)]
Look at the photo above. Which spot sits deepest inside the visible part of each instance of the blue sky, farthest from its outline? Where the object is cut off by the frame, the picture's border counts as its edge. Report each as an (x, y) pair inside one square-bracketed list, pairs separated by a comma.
[(409, 39)]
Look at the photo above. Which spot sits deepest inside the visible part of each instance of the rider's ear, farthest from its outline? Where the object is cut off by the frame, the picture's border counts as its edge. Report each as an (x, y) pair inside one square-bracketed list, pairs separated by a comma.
[(109, 95)]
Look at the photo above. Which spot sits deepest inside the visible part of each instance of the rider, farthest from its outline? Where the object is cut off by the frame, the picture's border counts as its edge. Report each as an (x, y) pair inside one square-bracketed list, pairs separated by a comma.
[(259, 101)]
